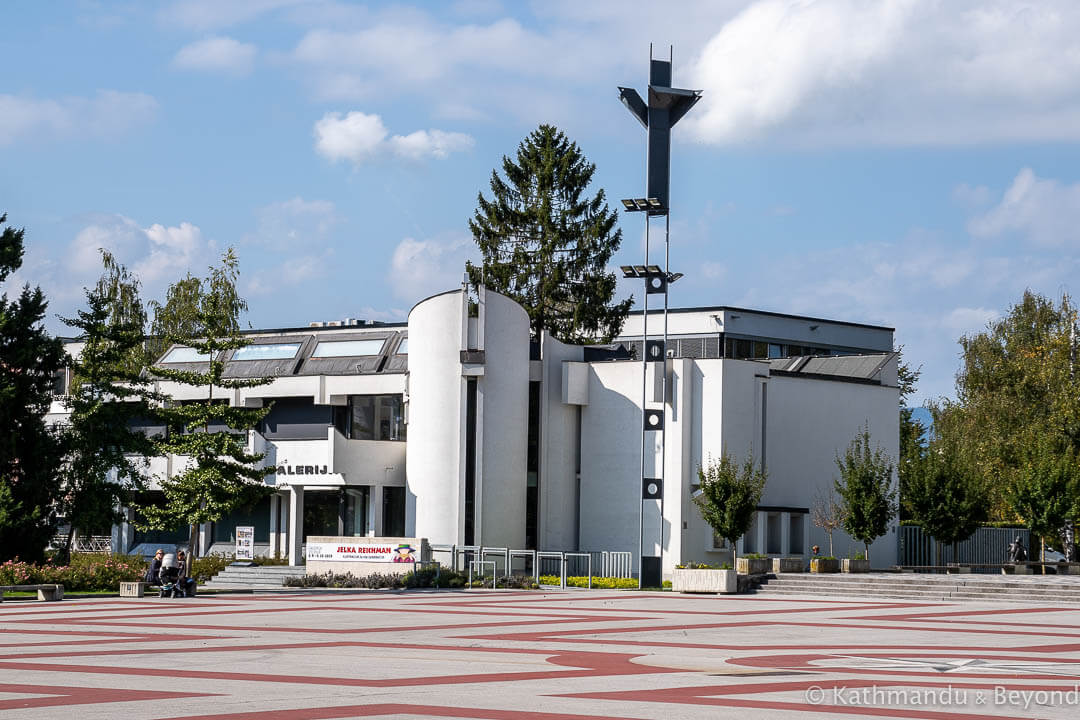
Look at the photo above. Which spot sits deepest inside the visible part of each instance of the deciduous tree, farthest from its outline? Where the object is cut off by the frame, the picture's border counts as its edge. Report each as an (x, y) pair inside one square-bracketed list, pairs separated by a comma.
[(110, 397), (729, 495), (223, 475), (866, 490)]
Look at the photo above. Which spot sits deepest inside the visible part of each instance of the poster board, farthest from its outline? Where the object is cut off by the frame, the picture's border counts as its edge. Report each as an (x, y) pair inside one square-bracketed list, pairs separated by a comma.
[(245, 542)]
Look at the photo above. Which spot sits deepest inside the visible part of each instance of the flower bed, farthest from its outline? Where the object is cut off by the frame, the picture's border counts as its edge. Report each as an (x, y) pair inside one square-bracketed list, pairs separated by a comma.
[(598, 583), (87, 571)]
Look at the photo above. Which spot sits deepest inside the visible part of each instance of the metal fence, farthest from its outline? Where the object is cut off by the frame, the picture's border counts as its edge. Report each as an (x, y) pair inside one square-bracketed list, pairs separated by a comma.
[(507, 562), (987, 546)]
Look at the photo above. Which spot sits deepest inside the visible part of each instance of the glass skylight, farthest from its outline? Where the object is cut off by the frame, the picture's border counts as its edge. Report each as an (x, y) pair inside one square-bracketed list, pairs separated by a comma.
[(282, 351), (181, 354), (403, 347), (347, 348)]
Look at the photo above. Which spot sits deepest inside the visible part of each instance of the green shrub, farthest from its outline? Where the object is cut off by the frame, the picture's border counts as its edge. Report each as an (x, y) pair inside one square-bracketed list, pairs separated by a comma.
[(754, 556), (87, 571), (428, 577), (601, 583), (704, 566)]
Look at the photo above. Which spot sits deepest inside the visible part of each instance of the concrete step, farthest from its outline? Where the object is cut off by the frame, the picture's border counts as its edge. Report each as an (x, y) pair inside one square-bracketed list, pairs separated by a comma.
[(257, 576), (925, 587)]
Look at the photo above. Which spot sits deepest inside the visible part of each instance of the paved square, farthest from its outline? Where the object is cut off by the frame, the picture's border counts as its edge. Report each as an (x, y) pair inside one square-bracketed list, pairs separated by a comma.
[(545, 656)]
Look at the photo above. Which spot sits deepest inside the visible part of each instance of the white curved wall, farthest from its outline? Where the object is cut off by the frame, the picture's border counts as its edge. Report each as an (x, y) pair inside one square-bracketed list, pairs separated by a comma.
[(504, 418), (435, 450)]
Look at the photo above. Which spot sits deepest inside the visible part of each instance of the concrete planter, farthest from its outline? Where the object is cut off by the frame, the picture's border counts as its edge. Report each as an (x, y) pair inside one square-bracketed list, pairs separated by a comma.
[(704, 581), (856, 566), (753, 566), (132, 589), (824, 565), (788, 565)]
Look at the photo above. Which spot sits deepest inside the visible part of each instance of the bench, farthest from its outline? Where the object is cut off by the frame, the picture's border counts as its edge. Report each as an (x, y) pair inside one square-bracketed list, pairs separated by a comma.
[(44, 592)]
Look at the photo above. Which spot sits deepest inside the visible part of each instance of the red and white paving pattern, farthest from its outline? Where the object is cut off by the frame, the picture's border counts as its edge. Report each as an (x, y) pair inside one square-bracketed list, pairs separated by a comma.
[(545, 656)]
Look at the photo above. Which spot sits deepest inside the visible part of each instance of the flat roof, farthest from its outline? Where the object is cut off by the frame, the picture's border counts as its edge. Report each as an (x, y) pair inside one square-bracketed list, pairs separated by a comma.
[(770, 313)]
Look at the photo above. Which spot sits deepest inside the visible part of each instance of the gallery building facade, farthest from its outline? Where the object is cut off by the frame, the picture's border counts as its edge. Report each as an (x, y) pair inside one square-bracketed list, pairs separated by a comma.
[(459, 427)]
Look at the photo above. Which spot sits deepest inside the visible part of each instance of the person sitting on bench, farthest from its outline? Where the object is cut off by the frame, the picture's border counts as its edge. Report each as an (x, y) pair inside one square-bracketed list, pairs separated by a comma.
[(185, 583), (154, 571)]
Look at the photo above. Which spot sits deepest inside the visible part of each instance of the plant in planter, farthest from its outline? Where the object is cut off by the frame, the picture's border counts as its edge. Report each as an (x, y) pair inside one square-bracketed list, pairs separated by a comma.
[(753, 564), (827, 513), (728, 496), (826, 564), (856, 564), (705, 578)]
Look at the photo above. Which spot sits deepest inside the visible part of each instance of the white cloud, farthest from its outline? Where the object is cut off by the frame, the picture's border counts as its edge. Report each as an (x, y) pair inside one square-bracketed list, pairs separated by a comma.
[(157, 255), (293, 223), (1042, 211), (210, 14), (291, 272), (107, 114), (359, 137), (891, 72), (217, 54), (423, 267)]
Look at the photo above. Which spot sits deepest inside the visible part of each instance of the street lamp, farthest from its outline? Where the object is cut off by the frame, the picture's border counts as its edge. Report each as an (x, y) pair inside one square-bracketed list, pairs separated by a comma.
[(666, 106)]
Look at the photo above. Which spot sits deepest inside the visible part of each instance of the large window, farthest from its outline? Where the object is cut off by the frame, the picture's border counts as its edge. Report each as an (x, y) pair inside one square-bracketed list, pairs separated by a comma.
[(182, 354), (347, 348), (280, 351), (376, 417)]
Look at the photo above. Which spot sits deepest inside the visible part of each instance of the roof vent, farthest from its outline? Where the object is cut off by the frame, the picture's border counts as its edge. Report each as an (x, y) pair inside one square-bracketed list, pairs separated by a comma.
[(316, 324), (333, 323), (350, 321)]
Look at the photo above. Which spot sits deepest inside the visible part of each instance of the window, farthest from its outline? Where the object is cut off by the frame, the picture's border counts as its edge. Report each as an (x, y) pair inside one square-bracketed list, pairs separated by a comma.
[(403, 347), (718, 543), (347, 348), (775, 351), (376, 417), (182, 354), (281, 351)]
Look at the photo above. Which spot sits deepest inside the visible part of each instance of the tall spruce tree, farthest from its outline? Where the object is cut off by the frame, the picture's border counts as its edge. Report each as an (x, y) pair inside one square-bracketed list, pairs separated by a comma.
[(30, 450), (546, 241), (110, 397), (222, 476)]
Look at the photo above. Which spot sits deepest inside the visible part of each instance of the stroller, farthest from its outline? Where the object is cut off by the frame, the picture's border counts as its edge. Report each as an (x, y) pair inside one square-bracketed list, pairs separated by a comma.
[(169, 575)]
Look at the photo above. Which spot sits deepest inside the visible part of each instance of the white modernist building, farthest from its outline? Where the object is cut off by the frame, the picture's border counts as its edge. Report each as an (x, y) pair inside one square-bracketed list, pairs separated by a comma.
[(459, 427)]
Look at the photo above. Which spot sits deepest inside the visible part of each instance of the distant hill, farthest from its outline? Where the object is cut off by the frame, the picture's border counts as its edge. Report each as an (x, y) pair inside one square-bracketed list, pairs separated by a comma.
[(922, 415)]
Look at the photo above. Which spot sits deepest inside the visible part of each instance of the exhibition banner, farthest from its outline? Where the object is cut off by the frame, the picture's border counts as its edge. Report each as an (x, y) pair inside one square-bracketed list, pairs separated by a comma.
[(360, 552)]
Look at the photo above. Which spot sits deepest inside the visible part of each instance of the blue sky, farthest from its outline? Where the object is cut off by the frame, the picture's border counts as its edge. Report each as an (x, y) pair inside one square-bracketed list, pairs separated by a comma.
[(903, 162)]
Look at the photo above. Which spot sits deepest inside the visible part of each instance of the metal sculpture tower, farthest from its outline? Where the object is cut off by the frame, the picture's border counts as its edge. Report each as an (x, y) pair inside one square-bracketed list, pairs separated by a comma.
[(665, 107)]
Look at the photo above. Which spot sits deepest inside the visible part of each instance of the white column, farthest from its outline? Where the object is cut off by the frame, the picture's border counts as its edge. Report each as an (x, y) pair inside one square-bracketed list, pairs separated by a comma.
[(761, 528), (275, 515), (376, 502), (296, 523), (785, 534)]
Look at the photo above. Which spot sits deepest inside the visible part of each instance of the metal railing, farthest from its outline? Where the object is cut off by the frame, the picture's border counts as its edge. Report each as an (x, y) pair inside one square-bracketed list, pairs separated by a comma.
[(537, 563), (987, 546), (83, 543), (616, 564)]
